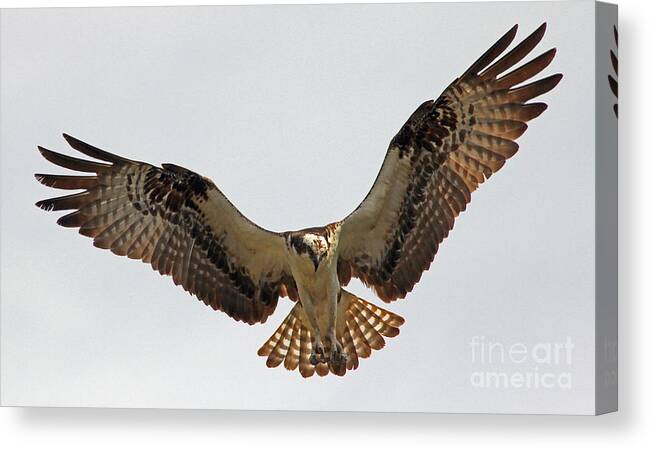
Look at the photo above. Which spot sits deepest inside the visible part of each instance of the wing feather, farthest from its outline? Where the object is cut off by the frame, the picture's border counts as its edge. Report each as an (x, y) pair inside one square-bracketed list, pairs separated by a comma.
[(177, 221), (446, 149)]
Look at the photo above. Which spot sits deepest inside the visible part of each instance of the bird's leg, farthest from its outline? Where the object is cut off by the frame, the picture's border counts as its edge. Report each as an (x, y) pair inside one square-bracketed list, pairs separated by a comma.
[(318, 350), (337, 354)]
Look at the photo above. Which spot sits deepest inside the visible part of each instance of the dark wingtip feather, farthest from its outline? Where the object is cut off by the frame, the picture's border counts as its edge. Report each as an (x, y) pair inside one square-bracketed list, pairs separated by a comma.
[(67, 202), (538, 33), (613, 85), (92, 151), (554, 80), (616, 34), (72, 163), (534, 89), (516, 54), (493, 52), (72, 141), (67, 182), (71, 220), (534, 110), (527, 71), (41, 205)]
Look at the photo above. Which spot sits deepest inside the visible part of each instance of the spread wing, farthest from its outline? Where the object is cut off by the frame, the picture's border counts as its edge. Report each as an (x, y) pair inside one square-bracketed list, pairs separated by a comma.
[(177, 221), (446, 149)]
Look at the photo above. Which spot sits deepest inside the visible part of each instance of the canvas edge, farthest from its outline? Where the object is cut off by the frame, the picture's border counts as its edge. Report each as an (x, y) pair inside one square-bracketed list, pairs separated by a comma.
[(606, 246)]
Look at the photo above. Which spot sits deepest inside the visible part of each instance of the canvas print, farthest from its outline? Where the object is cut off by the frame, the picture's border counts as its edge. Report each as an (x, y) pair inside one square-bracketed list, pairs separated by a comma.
[(316, 186)]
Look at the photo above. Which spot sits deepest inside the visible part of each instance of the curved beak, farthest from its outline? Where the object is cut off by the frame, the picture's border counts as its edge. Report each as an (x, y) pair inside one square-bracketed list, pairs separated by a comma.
[(316, 260)]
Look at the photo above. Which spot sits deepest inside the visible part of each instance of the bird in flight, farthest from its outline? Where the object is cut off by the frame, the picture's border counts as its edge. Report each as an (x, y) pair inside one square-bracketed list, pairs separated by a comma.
[(182, 224)]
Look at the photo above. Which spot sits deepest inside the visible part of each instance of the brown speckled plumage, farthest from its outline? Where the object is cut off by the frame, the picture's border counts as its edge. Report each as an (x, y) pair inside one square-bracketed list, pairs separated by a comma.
[(180, 223), (446, 149), (158, 215)]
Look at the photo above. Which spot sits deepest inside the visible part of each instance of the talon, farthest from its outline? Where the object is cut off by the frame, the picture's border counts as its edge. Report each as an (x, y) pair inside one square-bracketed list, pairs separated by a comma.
[(341, 357), (338, 355), (338, 359), (318, 354)]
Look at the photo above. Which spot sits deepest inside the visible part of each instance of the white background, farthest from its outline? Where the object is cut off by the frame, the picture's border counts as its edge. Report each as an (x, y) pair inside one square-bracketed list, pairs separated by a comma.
[(108, 428)]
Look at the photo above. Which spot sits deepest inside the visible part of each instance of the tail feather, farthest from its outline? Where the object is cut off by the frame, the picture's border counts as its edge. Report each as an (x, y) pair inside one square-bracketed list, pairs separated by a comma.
[(372, 336), (304, 366), (279, 352), (294, 351), (349, 347), (362, 328), (271, 343), (359, 340), (382, 327), (387, 318), (323, 368)]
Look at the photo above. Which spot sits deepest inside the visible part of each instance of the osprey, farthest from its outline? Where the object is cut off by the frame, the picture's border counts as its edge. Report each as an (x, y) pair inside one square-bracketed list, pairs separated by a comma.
[(180, 222)]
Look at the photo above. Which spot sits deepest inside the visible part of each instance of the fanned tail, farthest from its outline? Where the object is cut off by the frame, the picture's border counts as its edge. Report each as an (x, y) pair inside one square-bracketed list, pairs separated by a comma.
[(361, 328)]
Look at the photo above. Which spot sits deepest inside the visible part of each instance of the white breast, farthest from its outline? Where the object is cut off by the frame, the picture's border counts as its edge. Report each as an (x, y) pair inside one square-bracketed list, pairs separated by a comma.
[(320, 284)]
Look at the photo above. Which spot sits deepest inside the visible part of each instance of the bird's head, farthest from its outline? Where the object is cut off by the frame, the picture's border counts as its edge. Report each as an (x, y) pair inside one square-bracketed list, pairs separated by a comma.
[(310, 245)]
